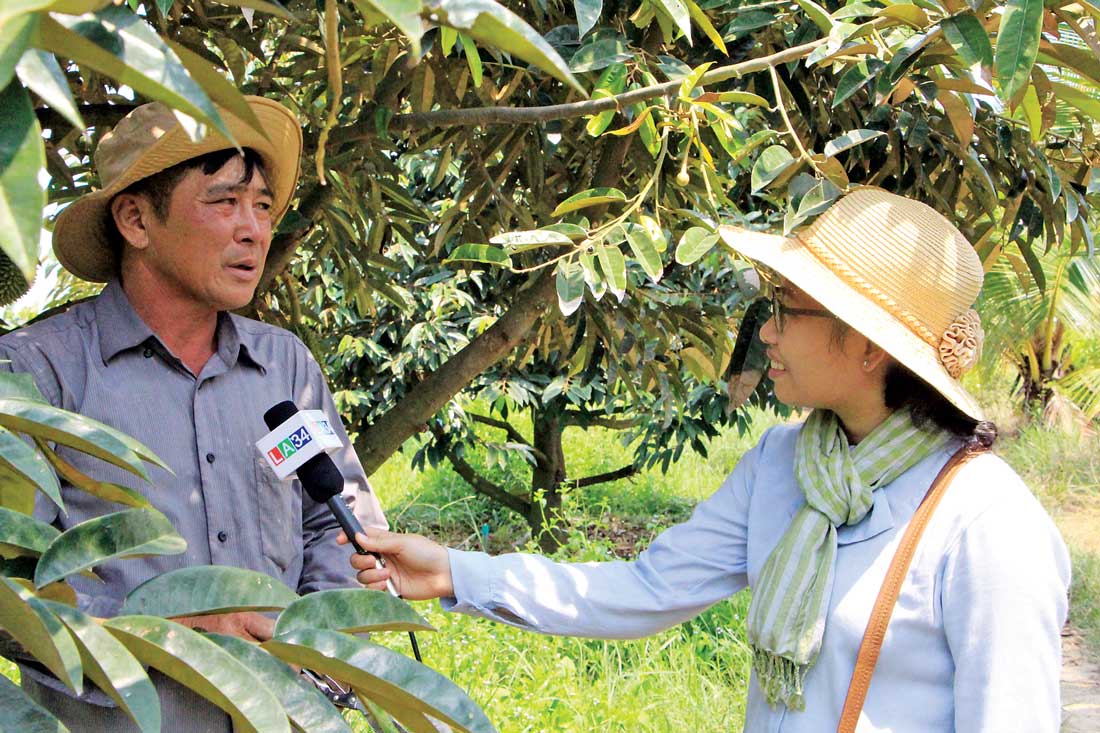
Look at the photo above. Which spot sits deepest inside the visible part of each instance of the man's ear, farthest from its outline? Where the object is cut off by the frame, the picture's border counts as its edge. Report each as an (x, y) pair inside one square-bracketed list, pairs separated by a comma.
[(131, 212)]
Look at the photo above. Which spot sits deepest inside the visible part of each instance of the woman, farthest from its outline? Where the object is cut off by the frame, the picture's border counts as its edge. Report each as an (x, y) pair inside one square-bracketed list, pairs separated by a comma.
[(871, 328)]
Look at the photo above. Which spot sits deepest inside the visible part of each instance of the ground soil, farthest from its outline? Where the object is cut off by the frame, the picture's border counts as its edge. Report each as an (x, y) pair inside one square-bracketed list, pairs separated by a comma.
[(1080, 686)]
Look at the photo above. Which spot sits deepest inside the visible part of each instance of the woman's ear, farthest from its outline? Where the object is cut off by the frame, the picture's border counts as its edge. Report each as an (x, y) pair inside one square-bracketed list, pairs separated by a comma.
[(130, 213), (873, 356)]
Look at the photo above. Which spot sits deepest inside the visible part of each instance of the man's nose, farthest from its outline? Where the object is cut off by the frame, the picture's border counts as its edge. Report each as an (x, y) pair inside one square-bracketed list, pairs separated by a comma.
[(251, 226)]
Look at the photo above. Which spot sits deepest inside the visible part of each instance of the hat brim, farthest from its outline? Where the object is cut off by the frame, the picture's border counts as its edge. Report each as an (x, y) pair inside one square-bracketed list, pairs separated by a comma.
[(81, 235), (789, 257)]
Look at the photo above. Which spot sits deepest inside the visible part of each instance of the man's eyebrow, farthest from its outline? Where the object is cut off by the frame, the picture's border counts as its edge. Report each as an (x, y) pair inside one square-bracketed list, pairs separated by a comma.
[(235, 188)]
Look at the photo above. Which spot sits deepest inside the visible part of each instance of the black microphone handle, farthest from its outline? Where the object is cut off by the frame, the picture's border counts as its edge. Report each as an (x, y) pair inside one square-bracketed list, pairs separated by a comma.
[(351, 525)]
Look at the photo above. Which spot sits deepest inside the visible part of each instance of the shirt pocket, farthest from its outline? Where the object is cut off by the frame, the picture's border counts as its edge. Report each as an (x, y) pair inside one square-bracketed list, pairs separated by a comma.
[(279, 508)]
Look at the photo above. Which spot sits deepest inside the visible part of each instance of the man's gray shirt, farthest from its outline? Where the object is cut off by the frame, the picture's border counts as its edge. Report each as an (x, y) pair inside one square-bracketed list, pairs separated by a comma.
[(101, 360)]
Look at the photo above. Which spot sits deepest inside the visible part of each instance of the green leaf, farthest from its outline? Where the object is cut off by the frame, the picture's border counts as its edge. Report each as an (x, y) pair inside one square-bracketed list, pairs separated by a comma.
[(266, 6), (352, 610), (21, 535), (203, 589), (22, 459), (741, 98), (121, 46), (570, 286), (645, 248), (77, 431), (598, 53), (473, 58), (40, 72), (589, 197), (1017, 45), (695, 243), (494, 25), (31, 624), (818, 14), (855, 78), (15, 35), (707, 27), (405, 15), (24, 715), (103, 489), (486, 253), (203, 666), (677, 10), (820, 197), (693, 78), (905, 56), (21, 198), (132, 533), (112, 667), (1077, 99), (19, 385), (588, 14), (307, 707), (390, 679), (530, 239), (216, 86), (613, 265), (572, 231), (769, 166), (969, 39), (850, 139), (611, 82)]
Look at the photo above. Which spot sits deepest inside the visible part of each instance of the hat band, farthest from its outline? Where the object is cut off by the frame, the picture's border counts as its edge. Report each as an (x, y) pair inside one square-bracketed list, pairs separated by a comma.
[(859, 283)]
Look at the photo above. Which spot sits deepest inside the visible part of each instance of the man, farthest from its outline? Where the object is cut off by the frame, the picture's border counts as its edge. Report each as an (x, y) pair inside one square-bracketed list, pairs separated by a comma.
[(179, 232)]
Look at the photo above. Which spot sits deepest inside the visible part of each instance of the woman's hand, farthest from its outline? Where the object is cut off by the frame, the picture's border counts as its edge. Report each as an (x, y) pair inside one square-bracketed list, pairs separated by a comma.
[(418, 567)]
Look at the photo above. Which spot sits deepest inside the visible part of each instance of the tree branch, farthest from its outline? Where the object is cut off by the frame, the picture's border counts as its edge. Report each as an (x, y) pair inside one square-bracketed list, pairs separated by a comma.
[(578, 419), (380, 440), (486, 487), (521, 115), (624, 472)]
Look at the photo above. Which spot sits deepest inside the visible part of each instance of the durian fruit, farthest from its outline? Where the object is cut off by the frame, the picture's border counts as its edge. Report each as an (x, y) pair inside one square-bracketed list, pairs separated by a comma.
[(12, 283)]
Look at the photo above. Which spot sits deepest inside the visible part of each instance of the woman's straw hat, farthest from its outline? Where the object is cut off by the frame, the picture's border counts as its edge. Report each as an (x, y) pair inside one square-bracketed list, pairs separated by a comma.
[(149, 140), (895, 270)]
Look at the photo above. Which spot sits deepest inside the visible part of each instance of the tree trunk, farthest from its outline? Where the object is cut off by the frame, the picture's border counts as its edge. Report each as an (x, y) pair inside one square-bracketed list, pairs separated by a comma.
[(548, 475)]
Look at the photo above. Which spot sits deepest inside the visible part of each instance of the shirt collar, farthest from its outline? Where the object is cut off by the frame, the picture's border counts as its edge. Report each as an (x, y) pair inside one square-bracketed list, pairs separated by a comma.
[(121, 328)]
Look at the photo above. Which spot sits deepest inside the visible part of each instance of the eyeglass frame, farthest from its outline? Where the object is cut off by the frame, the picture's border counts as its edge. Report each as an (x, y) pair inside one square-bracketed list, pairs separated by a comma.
[(770, 291)]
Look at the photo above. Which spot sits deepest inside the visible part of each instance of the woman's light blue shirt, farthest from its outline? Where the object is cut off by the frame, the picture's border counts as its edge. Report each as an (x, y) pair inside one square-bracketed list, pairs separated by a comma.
[(974, 642)]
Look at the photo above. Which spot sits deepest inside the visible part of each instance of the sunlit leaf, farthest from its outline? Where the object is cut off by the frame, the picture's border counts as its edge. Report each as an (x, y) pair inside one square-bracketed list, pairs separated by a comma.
[(21, 535), (818, 14), (21, 198), (677, 10), (599, 53), (705, 25), (494, 25), (849, 140), (969, 39), (773, 161), (1017, 45), (611, 82), (591, 197), (267, 6), (103, 489), (132, 533), (112, 668), (22, 459), (645, 248), (695, 243), (486, 253), (204, 589), (588, 13), (214, 83), (40, 72), (613, 265), (39, 632), (352, 610), (390, 679), (569, 283), (855, 78), (203, 666), (307, 708)]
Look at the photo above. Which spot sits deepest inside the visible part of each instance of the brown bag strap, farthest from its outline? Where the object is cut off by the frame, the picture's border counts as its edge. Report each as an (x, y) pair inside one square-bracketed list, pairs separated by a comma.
[(891, 586)]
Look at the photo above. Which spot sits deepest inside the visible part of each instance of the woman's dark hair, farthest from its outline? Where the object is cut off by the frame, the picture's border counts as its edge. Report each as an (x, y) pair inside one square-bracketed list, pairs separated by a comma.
[(906, 390)]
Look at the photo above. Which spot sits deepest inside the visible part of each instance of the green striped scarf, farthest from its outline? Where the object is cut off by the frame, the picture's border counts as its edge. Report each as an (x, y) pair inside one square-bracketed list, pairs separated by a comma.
[(791, 598)]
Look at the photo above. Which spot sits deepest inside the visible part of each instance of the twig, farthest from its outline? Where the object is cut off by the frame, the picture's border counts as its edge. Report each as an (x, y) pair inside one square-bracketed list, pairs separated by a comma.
[(781, 105)]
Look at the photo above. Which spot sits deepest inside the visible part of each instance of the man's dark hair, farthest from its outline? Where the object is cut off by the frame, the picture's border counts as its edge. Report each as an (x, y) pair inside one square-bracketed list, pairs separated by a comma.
[(158, 187)]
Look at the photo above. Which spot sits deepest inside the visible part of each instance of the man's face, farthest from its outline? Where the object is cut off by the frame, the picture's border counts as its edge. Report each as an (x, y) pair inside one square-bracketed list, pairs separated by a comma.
[(210, 249)]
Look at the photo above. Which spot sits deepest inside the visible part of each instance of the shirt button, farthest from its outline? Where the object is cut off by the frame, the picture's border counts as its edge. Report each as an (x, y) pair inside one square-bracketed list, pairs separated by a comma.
[(223, 536), (209, 457), (148, 353)]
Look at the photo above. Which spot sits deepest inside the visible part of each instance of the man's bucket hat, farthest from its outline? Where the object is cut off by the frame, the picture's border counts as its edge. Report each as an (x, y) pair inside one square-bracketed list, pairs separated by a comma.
[(149, 140), (893, 269)]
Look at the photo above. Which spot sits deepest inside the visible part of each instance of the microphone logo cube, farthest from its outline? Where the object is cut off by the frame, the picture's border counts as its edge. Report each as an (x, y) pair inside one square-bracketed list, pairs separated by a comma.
[(295, 441)]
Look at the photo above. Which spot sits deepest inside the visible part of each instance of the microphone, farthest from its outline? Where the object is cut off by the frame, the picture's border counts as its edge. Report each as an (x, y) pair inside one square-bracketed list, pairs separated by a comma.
[(324, 483)]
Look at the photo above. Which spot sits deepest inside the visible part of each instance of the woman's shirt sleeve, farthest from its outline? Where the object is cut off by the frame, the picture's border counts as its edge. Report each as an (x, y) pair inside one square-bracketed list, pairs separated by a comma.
[(1004, 600), (686, 569)]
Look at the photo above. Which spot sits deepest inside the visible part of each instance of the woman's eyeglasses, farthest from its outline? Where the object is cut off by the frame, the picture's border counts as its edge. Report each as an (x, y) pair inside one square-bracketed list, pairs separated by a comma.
[(782, 312)]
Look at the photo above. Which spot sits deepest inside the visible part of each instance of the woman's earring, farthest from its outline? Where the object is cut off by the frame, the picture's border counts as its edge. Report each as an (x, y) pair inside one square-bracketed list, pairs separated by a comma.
[(866, 363)]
